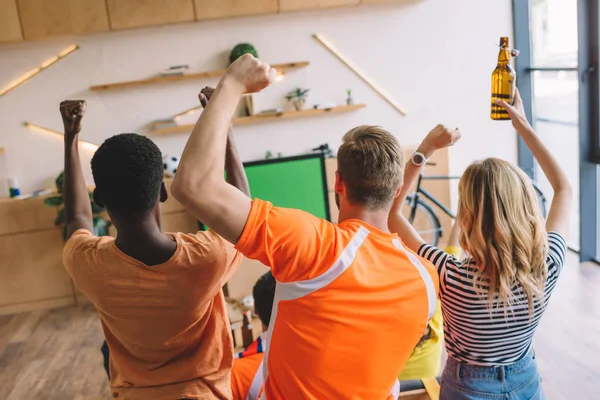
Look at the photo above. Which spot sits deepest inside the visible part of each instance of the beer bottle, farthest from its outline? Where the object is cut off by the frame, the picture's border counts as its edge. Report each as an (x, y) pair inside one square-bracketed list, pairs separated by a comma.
[(503, 81)]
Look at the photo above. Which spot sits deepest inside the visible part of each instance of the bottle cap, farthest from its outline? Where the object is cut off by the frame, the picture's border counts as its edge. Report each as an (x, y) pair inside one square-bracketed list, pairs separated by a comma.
[(504, 42), (13, 183)]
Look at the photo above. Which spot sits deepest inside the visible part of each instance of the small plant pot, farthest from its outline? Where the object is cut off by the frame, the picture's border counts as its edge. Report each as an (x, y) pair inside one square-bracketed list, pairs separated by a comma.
[(298, 104)]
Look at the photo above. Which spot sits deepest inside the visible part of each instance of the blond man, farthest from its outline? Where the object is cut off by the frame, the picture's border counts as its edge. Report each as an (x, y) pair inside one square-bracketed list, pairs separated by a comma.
[(351, 300)]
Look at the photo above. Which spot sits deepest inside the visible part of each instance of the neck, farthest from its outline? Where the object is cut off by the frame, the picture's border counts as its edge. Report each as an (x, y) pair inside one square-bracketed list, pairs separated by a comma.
[(141, 230), (377, 219)]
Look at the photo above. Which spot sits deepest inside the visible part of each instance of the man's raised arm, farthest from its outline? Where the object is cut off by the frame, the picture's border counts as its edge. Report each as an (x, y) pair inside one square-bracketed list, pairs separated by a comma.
[(78, 210), (199, 183), (234, 169)]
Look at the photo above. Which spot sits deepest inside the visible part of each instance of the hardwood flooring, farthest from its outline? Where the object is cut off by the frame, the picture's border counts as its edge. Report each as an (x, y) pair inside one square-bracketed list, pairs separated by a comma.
[(47, 355)]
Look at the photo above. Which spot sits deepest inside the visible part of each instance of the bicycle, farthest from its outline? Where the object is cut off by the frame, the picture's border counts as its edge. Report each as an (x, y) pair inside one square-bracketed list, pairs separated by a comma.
[(423, 216)]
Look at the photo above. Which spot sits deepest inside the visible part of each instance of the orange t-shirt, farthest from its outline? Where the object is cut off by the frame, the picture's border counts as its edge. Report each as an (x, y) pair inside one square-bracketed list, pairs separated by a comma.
[(345, 295), (166, 325), (244, 376)]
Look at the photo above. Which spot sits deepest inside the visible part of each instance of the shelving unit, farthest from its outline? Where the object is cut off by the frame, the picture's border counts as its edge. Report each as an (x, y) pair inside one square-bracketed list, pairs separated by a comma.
[(267, 117), (281, 68)]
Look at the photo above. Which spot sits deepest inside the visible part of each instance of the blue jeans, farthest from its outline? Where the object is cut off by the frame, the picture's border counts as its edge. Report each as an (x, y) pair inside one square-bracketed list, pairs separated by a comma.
[(518, 381)]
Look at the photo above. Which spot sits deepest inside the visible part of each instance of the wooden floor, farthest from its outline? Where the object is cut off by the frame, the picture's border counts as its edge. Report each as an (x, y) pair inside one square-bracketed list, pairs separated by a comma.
[(56, 354)]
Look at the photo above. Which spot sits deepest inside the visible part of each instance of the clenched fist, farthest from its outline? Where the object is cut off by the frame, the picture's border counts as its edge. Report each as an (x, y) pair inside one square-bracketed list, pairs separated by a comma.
[(441, 137), (250, 74), (72, 113), (205, 95)]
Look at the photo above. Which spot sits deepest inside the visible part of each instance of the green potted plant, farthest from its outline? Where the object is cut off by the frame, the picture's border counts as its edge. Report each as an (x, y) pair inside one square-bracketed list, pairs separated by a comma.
[(100, 224), (241, 49), (297, 97)]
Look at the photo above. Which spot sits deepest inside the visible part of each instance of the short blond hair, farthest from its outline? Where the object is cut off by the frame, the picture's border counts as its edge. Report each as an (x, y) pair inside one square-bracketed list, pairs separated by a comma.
[(370, 163)]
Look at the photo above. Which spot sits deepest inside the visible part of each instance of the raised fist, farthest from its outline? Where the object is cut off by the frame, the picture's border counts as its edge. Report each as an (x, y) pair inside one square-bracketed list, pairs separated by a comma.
[(441, 137), (72, 113), (251, 74), (205, 95)]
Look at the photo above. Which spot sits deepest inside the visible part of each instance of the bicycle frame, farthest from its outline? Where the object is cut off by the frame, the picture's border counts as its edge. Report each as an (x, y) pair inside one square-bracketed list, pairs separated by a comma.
[(429, 196)]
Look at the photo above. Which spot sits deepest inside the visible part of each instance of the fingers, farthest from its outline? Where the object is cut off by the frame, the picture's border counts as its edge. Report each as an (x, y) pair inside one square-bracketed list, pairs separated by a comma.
[(203, 100), (73, 108), (518, 101), (504, 105)]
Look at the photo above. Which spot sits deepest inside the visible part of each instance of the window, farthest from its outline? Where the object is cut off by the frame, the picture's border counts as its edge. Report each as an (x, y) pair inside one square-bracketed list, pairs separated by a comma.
[(558, 39)]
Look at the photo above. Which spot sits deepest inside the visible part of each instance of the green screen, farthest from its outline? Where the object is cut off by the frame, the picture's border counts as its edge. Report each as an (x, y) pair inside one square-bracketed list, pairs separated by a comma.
[(291, 183)]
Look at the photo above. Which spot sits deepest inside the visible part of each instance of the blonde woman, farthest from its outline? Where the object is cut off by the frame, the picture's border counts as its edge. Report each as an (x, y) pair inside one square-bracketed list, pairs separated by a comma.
[(493, 301)]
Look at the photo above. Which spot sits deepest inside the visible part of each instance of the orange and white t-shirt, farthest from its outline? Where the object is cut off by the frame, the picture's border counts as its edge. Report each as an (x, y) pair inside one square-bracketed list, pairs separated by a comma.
[(166, 325), (247, 377), (351, 303)]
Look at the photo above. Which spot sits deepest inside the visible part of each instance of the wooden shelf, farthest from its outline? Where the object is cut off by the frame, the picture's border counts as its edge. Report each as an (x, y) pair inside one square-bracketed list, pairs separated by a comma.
[(209, 74), (267, 117)]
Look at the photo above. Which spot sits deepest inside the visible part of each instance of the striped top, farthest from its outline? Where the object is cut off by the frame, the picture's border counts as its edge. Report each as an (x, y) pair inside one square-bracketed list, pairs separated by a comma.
[(475, 336)]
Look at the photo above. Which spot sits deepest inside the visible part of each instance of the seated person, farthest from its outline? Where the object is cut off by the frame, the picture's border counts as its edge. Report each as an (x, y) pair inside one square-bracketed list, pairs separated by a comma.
[(426, 359), (158, 294), (246, 374)]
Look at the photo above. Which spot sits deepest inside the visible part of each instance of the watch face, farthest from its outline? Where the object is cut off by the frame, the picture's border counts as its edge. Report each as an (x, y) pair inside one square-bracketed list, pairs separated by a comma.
[(418, 159)]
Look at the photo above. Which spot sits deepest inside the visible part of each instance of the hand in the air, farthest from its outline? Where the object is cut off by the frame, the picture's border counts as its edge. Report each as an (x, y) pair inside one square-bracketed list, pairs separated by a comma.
[(516, 112), (72, 113), (441, 137), (251, 74), (205, 95)]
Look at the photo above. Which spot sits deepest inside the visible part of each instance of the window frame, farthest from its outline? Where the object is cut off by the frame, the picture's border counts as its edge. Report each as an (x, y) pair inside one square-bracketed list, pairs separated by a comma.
[(589, 115)]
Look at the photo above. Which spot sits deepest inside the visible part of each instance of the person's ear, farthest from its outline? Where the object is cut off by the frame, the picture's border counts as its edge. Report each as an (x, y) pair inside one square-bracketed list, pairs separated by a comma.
[(164, 193), (339, 183), (98, 199), (398, 192)]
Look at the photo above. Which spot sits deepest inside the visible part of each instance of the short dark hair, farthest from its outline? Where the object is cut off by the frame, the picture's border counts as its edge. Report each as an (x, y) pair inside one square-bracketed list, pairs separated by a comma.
[(128, 173), (264, 293)]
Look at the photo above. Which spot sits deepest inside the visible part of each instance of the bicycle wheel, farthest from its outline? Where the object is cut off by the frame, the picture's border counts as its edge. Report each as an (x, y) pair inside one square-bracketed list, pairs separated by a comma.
[(424, 220)]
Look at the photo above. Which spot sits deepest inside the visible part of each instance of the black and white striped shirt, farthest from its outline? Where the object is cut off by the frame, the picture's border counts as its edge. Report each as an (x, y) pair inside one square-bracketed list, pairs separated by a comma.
[(473, 333)]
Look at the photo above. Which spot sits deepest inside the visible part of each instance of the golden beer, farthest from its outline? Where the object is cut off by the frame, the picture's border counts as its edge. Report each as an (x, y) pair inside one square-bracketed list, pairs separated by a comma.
[(503, 81)]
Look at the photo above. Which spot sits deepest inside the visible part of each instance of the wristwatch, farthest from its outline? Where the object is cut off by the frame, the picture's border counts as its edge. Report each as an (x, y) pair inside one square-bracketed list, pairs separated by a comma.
[(418, 159)]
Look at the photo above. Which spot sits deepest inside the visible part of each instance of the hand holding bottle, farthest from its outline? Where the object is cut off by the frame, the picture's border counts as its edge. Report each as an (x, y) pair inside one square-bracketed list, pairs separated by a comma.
[(516, 113)]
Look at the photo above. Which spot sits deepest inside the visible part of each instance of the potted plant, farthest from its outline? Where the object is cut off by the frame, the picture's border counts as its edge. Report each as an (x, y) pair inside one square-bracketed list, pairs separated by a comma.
[(297, 97), (100, 224), (241, 49)]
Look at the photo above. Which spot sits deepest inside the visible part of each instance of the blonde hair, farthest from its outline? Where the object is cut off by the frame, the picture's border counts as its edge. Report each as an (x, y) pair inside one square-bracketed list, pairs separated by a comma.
[(503, 231), (370, 162)]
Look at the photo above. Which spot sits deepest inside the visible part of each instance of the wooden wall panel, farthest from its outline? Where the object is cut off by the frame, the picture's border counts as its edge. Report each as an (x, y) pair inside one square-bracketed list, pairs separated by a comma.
[(32, 270), (41, 18), (242, 282), (179, 222), (210, 9), (125, 14), (25, 215), (293, 5), (366, 2), (10, 25)]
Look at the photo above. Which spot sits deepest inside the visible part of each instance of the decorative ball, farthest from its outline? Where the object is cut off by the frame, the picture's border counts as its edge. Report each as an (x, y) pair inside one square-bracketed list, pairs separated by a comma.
[(170, 164), (241, 49)]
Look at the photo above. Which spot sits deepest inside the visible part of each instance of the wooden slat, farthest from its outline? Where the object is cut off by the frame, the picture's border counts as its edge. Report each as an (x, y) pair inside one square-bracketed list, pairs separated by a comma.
[(211, 9), (346, 61), (10, 25), (209, 74), (124, 14), (42, 18), (268, 117), (294, 5)]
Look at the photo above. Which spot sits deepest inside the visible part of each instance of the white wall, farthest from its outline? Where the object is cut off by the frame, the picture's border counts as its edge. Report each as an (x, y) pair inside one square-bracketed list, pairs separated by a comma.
[(434, 56)]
